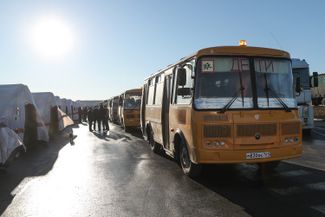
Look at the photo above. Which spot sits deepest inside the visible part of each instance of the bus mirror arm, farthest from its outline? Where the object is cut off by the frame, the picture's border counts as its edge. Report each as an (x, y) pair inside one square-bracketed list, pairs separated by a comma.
[(298, 86)]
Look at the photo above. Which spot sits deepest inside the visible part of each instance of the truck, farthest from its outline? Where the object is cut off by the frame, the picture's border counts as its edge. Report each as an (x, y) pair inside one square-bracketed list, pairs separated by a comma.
[(302, 87), (318, 88)]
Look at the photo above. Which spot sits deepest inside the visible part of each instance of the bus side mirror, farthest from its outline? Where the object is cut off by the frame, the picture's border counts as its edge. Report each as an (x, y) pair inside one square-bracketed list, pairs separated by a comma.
[(181, 76), (298, 86), (184, 91), (315, 81)]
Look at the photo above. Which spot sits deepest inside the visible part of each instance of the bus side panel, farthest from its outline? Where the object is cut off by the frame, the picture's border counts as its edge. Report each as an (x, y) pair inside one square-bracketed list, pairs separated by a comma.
[(180, 120), (153, 116)]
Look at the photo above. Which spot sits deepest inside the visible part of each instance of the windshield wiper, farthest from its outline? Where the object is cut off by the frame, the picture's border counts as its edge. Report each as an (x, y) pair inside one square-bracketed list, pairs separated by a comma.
[(227, 106), (241, 91), (267, 89), (280, 101)]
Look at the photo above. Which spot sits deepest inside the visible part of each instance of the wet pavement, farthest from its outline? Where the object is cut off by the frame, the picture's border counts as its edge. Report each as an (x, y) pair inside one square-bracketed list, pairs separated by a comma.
[(117, 175)]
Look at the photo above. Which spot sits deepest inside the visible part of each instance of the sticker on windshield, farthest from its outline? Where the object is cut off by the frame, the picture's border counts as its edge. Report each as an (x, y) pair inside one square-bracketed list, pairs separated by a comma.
[(207, 66)]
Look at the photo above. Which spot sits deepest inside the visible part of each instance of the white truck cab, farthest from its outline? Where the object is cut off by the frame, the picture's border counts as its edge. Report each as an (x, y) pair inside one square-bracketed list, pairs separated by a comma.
[(300, 70)]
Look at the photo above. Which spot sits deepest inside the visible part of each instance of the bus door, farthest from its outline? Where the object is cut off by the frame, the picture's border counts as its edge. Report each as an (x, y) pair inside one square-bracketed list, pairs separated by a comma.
[(165, 110), (143, 108)]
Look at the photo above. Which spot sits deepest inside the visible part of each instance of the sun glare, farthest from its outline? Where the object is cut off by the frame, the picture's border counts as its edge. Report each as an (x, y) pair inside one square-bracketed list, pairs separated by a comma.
[(52, 37)]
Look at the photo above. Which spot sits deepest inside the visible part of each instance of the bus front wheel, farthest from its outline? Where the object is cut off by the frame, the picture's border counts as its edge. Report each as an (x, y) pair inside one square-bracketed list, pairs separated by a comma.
[(189, 168), (153, 145)]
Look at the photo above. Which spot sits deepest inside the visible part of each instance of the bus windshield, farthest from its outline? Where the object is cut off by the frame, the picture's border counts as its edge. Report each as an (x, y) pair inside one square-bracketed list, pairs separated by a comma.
[(226, 82), (132, 101), (274, 80)]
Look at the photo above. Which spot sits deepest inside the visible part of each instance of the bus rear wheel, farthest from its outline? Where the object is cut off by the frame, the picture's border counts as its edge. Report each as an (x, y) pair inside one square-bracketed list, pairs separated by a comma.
[(189, 168)]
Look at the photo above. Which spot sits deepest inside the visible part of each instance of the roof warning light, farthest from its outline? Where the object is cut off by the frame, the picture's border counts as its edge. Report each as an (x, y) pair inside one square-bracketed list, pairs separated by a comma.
[(243, 43)]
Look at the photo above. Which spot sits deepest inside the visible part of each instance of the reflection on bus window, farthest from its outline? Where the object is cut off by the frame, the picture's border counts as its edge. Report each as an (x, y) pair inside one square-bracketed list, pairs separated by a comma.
[(132, 101)]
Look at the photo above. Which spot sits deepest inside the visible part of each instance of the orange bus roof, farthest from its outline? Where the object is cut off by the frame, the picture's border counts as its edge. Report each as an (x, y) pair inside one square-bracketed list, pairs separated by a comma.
[(230, 50), (243, 51)]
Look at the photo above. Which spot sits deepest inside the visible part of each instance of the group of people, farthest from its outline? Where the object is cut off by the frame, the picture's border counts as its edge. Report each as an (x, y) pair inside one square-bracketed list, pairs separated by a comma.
[(98, 116)]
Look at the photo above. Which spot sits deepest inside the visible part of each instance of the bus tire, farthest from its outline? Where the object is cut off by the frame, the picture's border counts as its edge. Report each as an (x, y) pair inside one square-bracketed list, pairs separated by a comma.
[(189, 168), (127, 129), (153, 145)]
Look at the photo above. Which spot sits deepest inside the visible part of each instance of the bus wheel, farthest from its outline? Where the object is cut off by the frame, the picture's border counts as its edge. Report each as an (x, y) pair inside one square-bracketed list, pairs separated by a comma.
[(268, 166), (189, 168), (153, 145)]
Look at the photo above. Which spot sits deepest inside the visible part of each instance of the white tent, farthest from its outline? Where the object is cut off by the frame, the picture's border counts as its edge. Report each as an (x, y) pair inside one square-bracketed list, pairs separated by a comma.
[(44, 102), (66, 106), (54, 118), (58, 101), (10, 143), (19, 112)]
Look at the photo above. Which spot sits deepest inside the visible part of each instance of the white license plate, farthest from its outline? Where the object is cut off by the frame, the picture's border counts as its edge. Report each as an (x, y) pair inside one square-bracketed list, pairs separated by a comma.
[(258, 155)]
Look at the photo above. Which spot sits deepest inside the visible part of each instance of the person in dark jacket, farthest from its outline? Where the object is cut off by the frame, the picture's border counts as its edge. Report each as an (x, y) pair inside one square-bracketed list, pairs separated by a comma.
[(101, 117), (97, 119), (79, 114), (90, 115), (105, 119)]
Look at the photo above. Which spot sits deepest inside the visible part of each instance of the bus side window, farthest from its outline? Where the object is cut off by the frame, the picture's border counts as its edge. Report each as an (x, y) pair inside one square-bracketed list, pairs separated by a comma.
[(184, 93), (151, 92), (159, 89), (171, 93)]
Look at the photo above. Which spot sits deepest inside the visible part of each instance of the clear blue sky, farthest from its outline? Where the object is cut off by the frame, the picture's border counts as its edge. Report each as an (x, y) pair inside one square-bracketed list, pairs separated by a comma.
[(119, 43)]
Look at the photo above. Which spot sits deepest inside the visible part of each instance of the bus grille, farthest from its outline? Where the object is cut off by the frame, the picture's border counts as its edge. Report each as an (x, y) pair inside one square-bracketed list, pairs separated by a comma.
[(251, 130), (213, 118), (290, 128), (211, 131)]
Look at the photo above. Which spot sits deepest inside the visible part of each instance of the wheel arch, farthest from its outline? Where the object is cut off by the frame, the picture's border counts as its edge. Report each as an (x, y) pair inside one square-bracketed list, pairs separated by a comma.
[(178, 139)]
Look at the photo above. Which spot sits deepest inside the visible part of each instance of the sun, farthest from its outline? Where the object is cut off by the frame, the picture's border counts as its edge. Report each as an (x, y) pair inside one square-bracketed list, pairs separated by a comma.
[(52, 37)]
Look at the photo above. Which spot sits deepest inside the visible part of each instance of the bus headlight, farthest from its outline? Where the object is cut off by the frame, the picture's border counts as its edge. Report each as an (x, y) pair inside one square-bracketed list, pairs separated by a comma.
[(215, 144), (289, 140)]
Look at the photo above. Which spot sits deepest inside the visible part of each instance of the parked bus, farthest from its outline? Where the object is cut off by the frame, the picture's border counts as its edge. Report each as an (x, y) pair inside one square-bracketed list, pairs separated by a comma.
[(129, 109), (232, 104), (113, 109)]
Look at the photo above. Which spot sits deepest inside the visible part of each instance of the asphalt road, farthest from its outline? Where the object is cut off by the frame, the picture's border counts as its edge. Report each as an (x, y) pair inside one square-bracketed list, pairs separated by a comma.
[(117, 175)]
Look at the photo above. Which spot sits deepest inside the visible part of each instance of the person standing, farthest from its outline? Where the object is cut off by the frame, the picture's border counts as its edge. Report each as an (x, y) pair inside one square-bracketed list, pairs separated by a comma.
[(102, 116), (97, 119), (105, 120), (79, 114), (90, 115)]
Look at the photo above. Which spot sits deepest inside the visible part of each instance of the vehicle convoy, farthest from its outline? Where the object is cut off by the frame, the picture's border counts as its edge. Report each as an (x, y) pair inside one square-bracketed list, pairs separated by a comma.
[(300, 71), (318, 88), (231, 104), (129, 109)]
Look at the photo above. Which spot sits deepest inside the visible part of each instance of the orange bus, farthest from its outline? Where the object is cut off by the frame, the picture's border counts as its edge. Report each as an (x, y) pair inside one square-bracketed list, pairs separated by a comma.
[(113, 109), (230, 104), (129, 109)]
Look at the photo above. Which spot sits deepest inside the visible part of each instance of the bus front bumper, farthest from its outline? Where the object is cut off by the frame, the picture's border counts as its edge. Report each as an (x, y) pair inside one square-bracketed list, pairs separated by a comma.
[(247, 156)]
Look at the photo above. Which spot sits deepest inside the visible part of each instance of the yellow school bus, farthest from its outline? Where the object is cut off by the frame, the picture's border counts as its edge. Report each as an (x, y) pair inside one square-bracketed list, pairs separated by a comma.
[(230, 104), (113, 109), (129, 109)]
